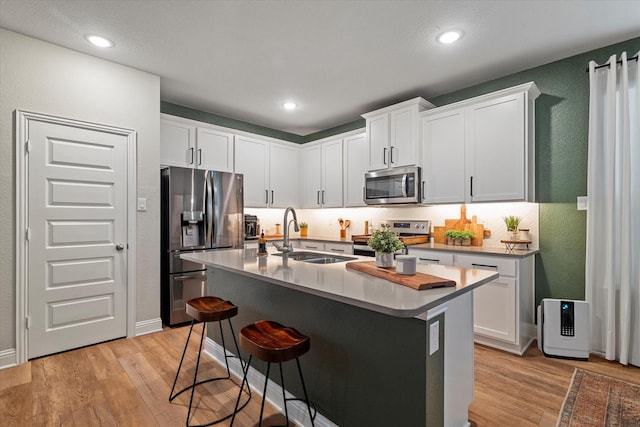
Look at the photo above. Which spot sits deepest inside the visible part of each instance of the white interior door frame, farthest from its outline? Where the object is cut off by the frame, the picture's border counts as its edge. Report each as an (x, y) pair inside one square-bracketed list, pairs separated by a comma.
[(22, 120)]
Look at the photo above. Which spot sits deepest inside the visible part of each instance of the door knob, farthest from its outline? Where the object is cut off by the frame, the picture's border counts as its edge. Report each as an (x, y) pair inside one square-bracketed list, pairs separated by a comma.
[(119, 247)]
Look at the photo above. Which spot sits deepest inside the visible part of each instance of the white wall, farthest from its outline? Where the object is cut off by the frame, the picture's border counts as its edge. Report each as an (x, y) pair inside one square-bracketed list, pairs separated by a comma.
[(324, 222), (45, 78)]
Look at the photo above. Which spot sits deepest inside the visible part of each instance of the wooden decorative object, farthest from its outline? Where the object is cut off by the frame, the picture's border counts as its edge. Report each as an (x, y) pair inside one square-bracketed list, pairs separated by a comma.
[(419, 282)]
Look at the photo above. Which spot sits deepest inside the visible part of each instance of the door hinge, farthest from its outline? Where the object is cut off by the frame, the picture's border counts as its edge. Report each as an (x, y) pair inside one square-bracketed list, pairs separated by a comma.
[(27, 146), (27, 234), (27, 322)]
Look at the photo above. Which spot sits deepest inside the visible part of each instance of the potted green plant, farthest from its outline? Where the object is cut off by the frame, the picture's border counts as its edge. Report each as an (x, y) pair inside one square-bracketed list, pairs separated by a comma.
[(512, 223), (304, 229), (459, 237), (385, 242)]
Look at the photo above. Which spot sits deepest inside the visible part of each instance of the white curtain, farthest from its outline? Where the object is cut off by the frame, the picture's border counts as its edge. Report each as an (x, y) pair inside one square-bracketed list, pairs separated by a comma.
[(613, 210)]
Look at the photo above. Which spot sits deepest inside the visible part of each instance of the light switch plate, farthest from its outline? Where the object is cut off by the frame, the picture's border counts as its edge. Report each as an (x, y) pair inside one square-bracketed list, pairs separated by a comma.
[(142, 204), (582, 203), (434, 337)]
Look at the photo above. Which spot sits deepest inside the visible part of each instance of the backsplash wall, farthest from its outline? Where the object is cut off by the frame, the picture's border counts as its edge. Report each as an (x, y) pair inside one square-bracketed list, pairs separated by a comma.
[(323, 223)]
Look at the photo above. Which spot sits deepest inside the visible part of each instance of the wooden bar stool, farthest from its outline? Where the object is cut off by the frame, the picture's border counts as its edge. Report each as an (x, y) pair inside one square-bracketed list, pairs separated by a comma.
[(271, 342), (209, 309)]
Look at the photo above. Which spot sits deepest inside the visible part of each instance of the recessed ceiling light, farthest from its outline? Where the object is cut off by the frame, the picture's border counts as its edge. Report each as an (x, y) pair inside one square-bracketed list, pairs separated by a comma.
[(99, 41), (290, 106), (449, 37)]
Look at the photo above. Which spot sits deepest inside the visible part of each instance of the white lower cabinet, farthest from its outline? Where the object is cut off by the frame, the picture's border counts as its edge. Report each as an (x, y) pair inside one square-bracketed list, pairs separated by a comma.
[(503, 309), (311, 245), (339, 248)]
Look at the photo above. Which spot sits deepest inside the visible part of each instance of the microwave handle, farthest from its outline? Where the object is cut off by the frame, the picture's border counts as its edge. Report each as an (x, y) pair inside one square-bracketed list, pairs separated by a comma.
[(404, 185)]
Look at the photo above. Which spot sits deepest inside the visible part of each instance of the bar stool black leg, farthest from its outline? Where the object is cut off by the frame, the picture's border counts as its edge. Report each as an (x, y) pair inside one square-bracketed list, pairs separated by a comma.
[(264, 393), (195, 383), (171, 396), (244, 380), (304, 389), (284, 396)]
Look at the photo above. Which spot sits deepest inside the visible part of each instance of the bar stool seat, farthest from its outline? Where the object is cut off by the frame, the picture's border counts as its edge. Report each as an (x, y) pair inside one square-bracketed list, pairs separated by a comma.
[(272, 342), (209, 309)]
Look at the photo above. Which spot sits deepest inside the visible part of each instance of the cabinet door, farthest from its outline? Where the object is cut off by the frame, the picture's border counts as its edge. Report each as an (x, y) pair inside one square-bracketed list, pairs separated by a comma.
[(378, 136), (355, 166), (252, 160), (312, 245), (177, 144), (283, 176), (495, 149), (403, 137), (312, 177), (494, 309), (331, 195), (214, 150), (443, 145)]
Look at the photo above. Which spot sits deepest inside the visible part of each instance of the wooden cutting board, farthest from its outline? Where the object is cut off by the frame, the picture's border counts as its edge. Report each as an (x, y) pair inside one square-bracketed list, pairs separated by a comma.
[(407, 240), (461, 223), (419, 282)]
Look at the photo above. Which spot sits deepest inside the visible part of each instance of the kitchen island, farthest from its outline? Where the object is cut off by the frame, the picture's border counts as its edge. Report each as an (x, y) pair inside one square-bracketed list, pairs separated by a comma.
[(381, 353)]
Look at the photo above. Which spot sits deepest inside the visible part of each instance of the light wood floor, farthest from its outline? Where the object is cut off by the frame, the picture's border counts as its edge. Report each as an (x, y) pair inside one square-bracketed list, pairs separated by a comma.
[(127, 382)]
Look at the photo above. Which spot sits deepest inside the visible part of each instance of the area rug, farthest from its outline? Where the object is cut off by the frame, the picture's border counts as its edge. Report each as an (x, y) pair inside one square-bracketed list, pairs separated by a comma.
[(599, 400)]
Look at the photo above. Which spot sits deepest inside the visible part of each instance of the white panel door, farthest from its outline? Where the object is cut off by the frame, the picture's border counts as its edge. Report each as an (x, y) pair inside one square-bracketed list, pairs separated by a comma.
[(77, 221)]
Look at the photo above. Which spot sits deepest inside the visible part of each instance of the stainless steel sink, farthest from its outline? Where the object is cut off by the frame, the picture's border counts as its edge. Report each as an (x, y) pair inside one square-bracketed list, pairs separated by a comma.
[(316, 258)]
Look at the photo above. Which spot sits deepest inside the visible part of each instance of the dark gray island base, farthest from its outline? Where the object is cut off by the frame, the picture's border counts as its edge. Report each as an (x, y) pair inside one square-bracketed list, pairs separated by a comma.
[(363, 369), (371, 361)]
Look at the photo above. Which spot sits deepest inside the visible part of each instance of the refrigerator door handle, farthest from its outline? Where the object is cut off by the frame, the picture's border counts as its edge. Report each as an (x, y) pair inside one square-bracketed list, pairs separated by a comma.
[(209, 209)]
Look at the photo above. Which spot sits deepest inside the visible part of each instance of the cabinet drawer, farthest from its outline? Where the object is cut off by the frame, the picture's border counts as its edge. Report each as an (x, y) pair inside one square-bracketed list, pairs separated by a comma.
[(340, 248), (432, 257), (316, 246), (504, 266)]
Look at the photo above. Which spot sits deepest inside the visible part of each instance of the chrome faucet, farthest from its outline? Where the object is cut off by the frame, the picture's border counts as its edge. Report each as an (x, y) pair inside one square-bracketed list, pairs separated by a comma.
[(286, 246)]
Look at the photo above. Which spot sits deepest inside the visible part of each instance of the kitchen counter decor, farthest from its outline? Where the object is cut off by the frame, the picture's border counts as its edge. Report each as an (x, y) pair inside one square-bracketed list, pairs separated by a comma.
[(419, 281), (385, 243)]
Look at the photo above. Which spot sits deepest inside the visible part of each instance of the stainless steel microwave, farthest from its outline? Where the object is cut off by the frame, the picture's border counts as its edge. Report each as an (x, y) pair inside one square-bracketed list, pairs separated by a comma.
[(392, 186)]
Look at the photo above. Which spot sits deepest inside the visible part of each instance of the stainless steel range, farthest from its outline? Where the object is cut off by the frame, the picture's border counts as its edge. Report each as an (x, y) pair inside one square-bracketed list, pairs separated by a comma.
[(411, 232)]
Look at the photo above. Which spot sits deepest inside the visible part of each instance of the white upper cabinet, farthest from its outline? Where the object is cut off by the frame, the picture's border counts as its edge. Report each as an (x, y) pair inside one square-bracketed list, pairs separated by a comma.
[(191, 144), (322, 175), (283, 175), (480, 149), (252, 160), (270, 172), (214, 150), (355, 166), (392, 133), (443, 157)]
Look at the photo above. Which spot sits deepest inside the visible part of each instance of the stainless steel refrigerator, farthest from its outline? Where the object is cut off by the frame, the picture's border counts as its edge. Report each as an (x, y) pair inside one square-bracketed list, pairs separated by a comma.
[(201, 210)]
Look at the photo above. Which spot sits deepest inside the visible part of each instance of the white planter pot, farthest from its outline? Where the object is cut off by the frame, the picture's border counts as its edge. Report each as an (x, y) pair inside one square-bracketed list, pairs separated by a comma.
[(384, 260)]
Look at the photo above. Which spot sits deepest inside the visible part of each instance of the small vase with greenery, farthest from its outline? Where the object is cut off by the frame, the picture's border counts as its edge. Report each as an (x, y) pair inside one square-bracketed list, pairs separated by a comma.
[(385, 243), (459, 237), (304, 229), (512, 222)]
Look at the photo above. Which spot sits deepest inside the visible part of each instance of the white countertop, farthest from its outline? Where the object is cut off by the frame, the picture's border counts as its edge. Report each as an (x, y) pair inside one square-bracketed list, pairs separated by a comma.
[(335, 282)]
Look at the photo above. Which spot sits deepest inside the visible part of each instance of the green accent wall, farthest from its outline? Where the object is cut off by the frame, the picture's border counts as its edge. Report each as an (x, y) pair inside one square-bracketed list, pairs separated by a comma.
[(562, 129), (562, 117)]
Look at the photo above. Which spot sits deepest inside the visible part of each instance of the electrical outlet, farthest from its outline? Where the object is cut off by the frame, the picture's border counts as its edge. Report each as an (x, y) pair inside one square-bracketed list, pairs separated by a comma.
[(582, 203), (434, 337)]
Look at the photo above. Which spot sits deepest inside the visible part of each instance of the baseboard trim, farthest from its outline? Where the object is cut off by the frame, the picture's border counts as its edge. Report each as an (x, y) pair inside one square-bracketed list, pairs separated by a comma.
[(8, 358), (148, 326), (297, 410)]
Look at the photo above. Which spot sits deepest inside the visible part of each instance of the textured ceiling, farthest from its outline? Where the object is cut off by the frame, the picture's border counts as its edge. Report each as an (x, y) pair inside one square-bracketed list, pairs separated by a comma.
[(337, 59)]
